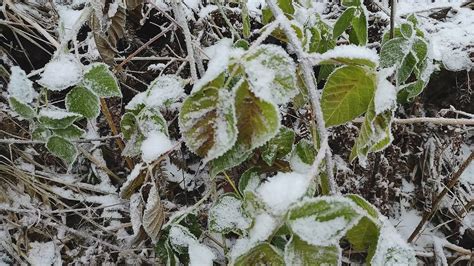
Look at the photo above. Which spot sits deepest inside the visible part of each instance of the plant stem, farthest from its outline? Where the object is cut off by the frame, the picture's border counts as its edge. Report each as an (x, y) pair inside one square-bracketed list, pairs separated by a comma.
[(310, 83)]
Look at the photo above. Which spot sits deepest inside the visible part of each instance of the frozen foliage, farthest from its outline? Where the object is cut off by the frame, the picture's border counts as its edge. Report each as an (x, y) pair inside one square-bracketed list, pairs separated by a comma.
[(20, 86), (320, 233), (263, 227), (227, 215), (155, 145), (68, 20), (386, 94), (282, 190), (131, 177), (200, 255), (351, 52), (61, 72)]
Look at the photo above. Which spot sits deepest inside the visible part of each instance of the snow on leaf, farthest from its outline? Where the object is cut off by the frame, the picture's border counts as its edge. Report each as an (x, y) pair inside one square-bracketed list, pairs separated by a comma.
[(393, 52), (249, 180), (386, 94), (164, 91), (100, 80), (200, 255), (207, 120), (347, 94), (282, 190), (128, 125), (43, 254), (155, 145), (271, 73), (83, 101), (180, 238), (150, 121), (20, 86), (153, 215), (134, 181), (136, 212), (62, 148), (226, 215), (279, 146), (392, 249), (261, 254), (61, 72), (21, 108), (323, 221), (57, 118), (350, 55), (298, 252), (302, 156)]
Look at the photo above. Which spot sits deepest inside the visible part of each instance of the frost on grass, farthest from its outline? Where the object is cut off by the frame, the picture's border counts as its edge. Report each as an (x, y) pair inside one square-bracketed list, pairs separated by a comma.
[(20, 86), (155, 145), (226, 215), (282, 190), (62, 72)]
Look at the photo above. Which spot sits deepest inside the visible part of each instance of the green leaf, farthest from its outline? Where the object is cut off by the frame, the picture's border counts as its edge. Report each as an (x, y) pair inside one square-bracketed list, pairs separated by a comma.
[(151, 120), (207, 120), (406, 68), (343, 22), (258, 121), (347, 94), (365, 205), (420, 48), (374, 134), (249, 180), (83, 101), (57, 118), (41, 134), (355, 56), (278, 146), (364, 235), (298, 252), (285, 5), (393, 52), (407, 30), (359, 25), (408, 92), (21, 108), (71, 132), (245, 20), (99, 79), (304, 151), (226, 215), (128, 125), (336, 215), (391, 249), (62, 148), (278, 83), (348, 3), (262, 254)]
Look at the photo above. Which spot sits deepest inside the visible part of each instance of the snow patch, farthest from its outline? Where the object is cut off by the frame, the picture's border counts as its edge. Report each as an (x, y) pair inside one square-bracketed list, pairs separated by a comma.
[(155, 145), (61, 72), (20, 86)]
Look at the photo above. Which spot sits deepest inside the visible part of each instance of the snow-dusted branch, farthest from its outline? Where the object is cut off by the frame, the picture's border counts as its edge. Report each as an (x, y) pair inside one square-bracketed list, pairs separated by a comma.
[(26, 141), (310, 83), (181, 19)]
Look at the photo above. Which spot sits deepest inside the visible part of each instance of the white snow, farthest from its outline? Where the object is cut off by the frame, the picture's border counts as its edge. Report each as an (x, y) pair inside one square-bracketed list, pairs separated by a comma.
[(467, 176), (200, 255), (20, 86), (386, 94), (43, 254), (351, 52), (156, 67), (56, 113), (391, 248), (133, 174), (263, 227), (185, 180), (228, 214), (205, 11), (155, 145), (61, 72), (180, 236), (320, 233), (282, 190), (136, 101), (68, 18), (164, 90)]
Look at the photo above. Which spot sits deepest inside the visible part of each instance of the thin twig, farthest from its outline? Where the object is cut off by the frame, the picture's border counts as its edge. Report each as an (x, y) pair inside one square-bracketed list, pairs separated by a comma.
[(428, 215), (25, 141)]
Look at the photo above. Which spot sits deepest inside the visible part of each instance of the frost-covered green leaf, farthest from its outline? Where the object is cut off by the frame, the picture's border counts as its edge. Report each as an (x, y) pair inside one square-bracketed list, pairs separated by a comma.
[(374, 135), (359, 26), (21, 108), (349, 3), (57, 118), (299, 252), (420, 49), (271, 73), (279, 146), (70, 132), (406, 30), (410, 91), (99, 79), (302, 156), (151, 120), (180, 238), (407, 67), (365, 205), (226, 215), (343, 22), (347, 94), (258, 121), (364, 235), (350, 55), (63, 71), (249, 180), (128, 125), (41, 134), (20, 87), (393, 52), (322, 221), (62, 148), (207, 120), (392, 249), (83, 101), (261, 254), (164, 91)]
